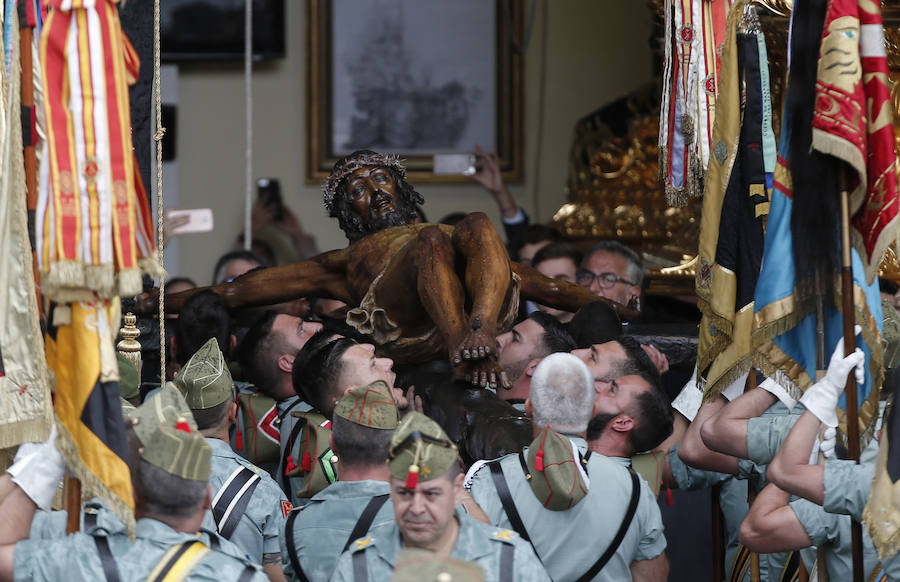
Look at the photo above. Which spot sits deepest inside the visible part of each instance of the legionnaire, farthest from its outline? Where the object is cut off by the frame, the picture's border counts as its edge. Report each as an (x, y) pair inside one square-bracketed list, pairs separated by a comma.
[(556, 491), (248, 507), (425, 482), (326, 367), (170, 468), (363, 423)]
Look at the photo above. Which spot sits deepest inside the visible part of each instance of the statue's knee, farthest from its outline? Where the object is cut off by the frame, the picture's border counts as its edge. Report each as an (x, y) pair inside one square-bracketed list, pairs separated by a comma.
[(433, 239), (473, 224)]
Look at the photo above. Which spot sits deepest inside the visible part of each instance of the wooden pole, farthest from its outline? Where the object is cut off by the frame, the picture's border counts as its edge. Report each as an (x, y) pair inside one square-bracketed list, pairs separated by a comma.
[(72, 499), (849, 347)]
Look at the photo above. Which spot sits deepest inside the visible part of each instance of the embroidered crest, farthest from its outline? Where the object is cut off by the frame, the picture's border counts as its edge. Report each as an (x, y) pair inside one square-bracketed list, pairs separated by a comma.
[(721, 152), (686, 33), (709, 85), (286, 507)]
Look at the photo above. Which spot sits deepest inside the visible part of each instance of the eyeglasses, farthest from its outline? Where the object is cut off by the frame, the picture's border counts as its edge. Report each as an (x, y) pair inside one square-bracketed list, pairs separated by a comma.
[(586, 278)]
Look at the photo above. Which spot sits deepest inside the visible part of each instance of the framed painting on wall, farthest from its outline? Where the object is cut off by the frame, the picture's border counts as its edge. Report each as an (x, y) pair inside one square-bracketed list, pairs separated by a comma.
[(414, 79)]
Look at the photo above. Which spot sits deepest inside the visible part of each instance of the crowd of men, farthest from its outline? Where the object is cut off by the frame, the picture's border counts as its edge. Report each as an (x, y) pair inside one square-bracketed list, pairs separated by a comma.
[(426, 426)]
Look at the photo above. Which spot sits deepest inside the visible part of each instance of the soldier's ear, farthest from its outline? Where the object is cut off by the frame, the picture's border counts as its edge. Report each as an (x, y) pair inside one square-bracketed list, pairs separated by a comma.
[(623, 423), (528, 409), (285, 363), (529, 371)]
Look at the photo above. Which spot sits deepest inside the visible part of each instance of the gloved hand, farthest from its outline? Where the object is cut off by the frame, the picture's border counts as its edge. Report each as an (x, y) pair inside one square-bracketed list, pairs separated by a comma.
[(824, 444), (829, 441), (821, 398), (37, 470)]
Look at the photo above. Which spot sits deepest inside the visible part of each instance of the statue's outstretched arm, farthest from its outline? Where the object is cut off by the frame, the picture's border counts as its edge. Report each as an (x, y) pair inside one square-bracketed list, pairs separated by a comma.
[(561, 294), (321, 276)]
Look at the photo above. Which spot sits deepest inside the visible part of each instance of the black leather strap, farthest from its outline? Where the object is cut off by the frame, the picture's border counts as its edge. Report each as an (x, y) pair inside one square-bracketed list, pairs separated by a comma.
[(506, 499), (507, 555), (291, 548), (243, 483), (285, 480), (173, 559), (110, 569), (620, 535), (90, 520), (360, 567), (365, 519), (247, 574)]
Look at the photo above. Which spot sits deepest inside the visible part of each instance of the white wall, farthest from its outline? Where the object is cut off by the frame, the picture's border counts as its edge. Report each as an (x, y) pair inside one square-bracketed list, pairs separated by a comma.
[(596, 51)]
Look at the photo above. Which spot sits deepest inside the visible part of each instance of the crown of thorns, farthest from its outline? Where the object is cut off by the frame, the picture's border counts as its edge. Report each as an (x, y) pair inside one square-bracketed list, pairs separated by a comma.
[(353, 163)]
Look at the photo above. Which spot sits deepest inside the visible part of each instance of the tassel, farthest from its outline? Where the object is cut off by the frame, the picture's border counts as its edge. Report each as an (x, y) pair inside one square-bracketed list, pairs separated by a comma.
[(306, 463), (183, 426), (412, 478), (239, 440), (539, 460), (670, 501), (290, 465)]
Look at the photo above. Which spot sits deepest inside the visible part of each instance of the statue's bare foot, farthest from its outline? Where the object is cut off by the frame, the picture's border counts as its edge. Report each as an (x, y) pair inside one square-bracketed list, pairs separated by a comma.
[(487, 373), (478, 343)]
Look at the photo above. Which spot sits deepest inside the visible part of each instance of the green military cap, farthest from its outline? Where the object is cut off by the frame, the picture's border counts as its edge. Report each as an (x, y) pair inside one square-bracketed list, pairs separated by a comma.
[(371, 406), (129, 382), (420, 450), (169, 438), (205, 380), (554, 474), (416, 565)]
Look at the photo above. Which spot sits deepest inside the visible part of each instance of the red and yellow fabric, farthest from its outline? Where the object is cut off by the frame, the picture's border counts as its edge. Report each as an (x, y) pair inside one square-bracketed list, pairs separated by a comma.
[(93, 234), (80, 350), (853, 120)]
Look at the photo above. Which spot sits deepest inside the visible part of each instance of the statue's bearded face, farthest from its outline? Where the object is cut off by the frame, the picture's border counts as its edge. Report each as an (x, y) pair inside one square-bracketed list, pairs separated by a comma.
[(372, 192), (374, 195)]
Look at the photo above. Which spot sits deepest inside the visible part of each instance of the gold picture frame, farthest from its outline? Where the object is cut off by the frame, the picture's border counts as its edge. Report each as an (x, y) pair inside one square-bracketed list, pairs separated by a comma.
[(368, 89)]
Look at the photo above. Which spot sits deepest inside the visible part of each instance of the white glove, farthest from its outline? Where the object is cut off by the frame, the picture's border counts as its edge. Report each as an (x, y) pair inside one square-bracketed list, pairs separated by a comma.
[(829, 441), (821, 398), (37, 470)]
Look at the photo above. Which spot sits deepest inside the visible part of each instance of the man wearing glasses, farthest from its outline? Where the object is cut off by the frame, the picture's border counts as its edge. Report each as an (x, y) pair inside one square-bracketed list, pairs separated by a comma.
[(614, 271)]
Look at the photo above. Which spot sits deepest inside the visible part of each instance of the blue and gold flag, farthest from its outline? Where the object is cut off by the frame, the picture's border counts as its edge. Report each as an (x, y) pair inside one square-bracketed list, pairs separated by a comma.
[(785, 315)]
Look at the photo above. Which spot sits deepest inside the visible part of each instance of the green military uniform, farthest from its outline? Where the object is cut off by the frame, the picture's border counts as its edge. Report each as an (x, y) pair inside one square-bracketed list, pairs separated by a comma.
[(847, 488), (603, 490), (831, 532), (305, 464), (421, 452), (170, 442), (321, 529), (477, 542), (248, 508)]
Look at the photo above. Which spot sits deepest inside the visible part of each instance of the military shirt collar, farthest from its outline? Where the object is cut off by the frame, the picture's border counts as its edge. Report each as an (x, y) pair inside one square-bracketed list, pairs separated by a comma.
[(159, 532), (220, 448), (348, 489), (389, 544), (579, 442)]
